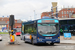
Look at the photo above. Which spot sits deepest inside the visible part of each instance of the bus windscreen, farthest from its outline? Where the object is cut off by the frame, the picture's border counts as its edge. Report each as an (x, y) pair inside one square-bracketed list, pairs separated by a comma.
[(18, 29), (48, 28)]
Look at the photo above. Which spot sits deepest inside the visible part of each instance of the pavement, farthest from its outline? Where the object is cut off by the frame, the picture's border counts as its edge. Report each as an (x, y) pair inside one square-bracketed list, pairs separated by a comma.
[(67, 41)]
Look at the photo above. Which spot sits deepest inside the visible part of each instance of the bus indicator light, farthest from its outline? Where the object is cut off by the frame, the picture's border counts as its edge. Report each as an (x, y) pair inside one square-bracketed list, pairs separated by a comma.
[(38, 37), (58, 37)]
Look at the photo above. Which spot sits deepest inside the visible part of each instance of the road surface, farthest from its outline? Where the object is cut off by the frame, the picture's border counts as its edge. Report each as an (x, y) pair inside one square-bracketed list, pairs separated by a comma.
[(27, 46)]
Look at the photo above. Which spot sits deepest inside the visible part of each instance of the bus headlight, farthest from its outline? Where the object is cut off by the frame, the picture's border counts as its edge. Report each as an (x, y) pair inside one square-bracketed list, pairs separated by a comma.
[(40, 39), (57, 39)]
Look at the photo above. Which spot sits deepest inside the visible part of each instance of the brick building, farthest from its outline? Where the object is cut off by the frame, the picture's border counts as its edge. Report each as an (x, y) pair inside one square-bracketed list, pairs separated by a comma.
[(4, 22), (49, 14), (66, 12), (63, 13)]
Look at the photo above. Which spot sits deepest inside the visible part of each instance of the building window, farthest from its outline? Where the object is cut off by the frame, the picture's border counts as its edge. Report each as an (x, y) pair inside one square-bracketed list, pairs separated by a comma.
[(65, 16), (72, 11), (45, 15), (62, 12), (49, 14), (68, 9), (67, 12), (62, 16)]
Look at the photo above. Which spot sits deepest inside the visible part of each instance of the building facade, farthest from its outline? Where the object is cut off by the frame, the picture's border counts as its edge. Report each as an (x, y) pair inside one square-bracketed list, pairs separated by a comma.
[(49, 14), (66, 12), (63, 13), (4, 23)]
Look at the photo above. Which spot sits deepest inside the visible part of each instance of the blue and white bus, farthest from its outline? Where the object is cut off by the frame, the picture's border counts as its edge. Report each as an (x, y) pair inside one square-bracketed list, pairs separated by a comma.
[(41, 31)]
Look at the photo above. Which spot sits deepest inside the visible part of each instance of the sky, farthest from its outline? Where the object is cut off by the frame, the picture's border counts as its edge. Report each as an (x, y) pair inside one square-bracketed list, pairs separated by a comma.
[(24, 9)]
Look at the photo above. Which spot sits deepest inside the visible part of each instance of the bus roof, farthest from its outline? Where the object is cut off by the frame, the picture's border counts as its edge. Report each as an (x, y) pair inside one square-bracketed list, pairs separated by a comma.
[(66, 18), (38, 19)]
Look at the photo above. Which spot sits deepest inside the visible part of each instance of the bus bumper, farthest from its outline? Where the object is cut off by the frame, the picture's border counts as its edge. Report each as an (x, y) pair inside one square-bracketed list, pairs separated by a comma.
[(49, 40)]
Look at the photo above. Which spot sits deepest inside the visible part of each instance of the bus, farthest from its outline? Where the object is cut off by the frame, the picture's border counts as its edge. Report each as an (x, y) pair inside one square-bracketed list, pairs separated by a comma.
[(41, 31), (18, 31), (67, 25)]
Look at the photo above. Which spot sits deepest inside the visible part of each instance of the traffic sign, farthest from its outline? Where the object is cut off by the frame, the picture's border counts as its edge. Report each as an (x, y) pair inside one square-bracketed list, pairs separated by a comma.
[(67, 35)]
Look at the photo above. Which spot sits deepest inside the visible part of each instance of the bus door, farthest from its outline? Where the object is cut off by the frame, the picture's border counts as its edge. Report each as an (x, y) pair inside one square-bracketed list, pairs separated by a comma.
[(63, 29), (72, 29)]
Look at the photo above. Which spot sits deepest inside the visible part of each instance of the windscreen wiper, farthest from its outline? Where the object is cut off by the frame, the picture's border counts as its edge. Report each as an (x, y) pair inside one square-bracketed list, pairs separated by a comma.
[(49, 32)]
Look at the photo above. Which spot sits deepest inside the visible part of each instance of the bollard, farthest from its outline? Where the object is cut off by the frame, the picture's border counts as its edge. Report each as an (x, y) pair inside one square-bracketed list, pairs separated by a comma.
[(12, 38)]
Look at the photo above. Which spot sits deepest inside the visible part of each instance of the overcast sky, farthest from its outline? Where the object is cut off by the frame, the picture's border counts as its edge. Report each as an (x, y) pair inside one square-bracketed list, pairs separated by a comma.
[(23, 9)]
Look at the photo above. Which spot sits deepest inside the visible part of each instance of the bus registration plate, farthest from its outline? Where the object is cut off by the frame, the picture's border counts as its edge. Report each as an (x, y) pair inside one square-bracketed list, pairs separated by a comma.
[(48, 41), (48, 37)]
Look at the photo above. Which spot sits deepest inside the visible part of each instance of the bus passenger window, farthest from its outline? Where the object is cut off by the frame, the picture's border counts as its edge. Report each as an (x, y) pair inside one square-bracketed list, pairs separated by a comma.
[(34, 26), (30, 29)]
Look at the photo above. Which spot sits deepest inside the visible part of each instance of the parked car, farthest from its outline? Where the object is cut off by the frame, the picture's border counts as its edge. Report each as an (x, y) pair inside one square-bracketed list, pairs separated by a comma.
[(0, 37)]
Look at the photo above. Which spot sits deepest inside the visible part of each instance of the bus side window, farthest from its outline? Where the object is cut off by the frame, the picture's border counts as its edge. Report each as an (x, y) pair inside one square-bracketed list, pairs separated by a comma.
[(35, 25), (34, 29), (26, 29)]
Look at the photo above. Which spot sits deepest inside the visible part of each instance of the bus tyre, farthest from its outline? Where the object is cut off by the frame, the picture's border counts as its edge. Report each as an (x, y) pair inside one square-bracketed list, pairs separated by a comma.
[(51, 43), (32, 41)]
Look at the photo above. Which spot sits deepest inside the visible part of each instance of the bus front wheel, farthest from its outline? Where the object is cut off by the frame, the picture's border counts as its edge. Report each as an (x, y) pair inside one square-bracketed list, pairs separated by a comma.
[(51, 43)]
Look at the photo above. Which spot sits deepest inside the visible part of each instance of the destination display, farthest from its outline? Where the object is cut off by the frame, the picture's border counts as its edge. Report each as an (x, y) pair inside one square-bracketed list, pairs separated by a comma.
[(48, 21)]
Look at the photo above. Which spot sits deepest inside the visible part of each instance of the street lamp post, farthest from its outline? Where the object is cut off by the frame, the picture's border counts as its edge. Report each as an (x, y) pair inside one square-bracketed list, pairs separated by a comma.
[(52, 11), (34, 14), (56, 13)]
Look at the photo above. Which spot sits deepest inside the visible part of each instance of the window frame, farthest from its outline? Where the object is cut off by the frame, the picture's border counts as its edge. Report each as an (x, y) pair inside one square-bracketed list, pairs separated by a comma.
[(62, 12), (32, 28)]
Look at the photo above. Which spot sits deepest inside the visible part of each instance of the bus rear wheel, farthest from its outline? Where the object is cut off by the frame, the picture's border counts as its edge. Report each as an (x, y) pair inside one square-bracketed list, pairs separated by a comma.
[(32, 41), (51, 43)]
